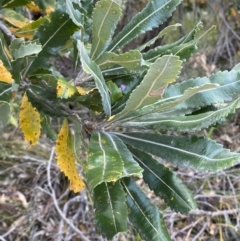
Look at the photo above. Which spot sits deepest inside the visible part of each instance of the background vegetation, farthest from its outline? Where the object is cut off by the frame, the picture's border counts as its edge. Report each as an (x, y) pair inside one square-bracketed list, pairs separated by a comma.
[(35, 203)]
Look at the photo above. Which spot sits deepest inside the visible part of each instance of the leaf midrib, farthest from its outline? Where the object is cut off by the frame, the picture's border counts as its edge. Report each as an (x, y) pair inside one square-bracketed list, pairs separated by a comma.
[(136, 26)]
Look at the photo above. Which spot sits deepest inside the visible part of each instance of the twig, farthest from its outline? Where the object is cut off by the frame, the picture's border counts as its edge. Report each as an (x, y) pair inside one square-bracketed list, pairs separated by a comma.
[(6, 31)]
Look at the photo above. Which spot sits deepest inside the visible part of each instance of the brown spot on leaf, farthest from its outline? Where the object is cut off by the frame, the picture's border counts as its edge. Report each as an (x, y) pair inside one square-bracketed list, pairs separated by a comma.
[(159, 92)]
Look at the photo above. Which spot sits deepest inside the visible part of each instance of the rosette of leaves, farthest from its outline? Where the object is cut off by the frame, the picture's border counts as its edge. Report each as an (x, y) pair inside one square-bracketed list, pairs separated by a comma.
[(135, 91)]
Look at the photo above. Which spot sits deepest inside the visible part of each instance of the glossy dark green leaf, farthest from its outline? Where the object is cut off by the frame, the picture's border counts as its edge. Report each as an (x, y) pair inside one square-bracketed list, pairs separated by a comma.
[(165, 183), (5, 92), (46, 105), (53, 34), (144, 216), (104, 162), (47, 128), (91, 67), (110, 209), (105, 18), (154, 14), (188, 152)]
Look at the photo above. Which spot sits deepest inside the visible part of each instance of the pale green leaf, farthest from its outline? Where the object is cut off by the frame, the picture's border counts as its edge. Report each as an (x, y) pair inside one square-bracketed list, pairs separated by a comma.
[(73, 9), (131, 167), (15, 45), (5, 112), (131, 60), (165, 31), (104, 162), (154, 14), (194, 122), (105, 18), (188, 152), (91, 67), (166, 106), (26, 50), (110, 209), (163, 72)]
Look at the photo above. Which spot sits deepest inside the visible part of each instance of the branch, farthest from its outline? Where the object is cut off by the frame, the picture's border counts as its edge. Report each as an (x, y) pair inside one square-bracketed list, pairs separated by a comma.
[(6, 31)]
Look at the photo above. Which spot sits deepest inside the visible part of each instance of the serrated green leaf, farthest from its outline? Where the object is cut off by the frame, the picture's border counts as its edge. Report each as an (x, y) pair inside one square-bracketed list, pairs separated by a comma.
[(131, 167), (157, 52), (73, 9), (227, 89), (26, 50), (15, 45), (154, 14), (5, 112), (191, 123), (144, 216), (160, 35), (110, 209), (165, 107), (188, 152), (52, 34), (131, 60), (165, 183), (105, 18), (164, 71), (4, 56), (91, 67), (104, 162)]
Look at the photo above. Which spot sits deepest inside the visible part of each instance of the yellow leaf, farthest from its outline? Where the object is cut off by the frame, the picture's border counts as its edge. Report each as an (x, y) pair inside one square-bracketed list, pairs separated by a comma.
[(33, 7), (64, 89), (49, 9), (29, 30), (29, 121), (5, 75), (81, 91), (66, 160)]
